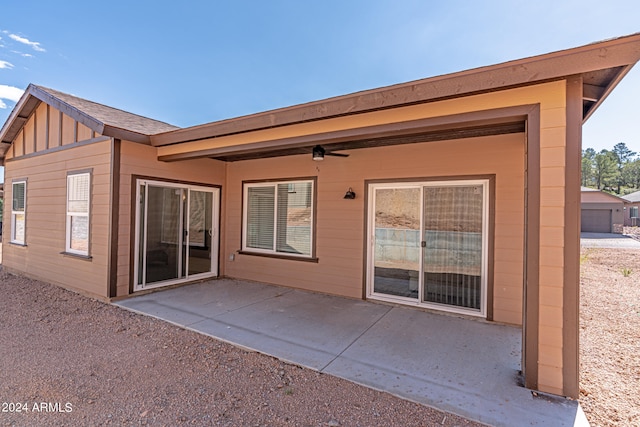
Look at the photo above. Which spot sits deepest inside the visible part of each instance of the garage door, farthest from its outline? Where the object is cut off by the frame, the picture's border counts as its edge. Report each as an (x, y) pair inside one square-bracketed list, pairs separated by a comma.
[(596, 220)]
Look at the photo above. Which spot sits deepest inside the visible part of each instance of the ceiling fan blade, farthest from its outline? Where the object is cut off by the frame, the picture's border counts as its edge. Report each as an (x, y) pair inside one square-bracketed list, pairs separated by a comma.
[(336, 154)]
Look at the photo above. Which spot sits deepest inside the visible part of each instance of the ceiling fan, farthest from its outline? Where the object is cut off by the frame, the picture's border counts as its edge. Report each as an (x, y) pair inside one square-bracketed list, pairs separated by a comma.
[(319, 152)]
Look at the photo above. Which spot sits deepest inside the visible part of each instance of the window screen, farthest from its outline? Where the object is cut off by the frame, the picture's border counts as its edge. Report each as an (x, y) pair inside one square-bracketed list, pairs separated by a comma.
[(279, 217)]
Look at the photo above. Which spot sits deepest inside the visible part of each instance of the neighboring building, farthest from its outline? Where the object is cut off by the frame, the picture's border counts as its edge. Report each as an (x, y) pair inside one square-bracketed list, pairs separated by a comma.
[(601, 212), (632, 209), (458, 179)]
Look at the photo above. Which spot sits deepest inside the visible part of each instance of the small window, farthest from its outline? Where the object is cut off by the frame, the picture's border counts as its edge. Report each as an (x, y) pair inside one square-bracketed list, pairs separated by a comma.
[(277, 220), (78, 188), (633, 212), (18, 212)]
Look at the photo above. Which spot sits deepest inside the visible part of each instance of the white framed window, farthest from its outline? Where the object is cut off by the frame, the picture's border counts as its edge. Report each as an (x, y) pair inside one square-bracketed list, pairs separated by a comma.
[(18, 211), (78, 205), (633, 212), (278, 221)]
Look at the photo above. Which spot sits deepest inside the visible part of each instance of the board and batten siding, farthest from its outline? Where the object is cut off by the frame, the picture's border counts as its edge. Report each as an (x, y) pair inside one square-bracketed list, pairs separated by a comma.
[(36, 155), (142, 160)]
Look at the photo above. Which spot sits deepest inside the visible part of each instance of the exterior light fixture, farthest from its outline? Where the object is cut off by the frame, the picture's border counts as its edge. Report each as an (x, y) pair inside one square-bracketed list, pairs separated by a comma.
[(350, 194), (318, 153)]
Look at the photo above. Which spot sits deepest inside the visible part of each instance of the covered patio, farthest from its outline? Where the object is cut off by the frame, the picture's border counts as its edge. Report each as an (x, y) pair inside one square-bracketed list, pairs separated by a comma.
[(470, 368)]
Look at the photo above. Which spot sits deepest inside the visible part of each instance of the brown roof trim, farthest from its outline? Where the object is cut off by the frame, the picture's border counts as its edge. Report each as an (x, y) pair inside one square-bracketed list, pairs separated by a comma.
[(619, 52), (78, 115), (125, 134), (604, 93), (34, 95), (477, 123)]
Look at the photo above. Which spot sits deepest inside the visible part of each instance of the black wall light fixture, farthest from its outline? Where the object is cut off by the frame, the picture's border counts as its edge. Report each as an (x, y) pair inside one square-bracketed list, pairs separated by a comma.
[(319, 152), (350, 194)]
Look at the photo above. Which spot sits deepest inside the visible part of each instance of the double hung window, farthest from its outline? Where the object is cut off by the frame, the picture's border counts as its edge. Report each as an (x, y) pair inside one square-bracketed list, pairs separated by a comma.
[(278, 218), (77, 230), (18, 211)]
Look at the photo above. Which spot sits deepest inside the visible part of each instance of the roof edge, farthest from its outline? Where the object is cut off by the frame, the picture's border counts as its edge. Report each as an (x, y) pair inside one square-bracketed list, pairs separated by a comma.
[(617, 52), (24, 108), (76, 114)]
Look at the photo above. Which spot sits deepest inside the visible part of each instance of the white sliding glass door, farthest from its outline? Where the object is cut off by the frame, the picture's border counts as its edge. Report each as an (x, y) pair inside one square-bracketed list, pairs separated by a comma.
[(428, 244), (176, 233)]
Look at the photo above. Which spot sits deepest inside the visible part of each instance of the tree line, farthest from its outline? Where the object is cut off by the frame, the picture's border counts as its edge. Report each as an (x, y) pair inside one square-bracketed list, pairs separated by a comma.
[(615, 171)]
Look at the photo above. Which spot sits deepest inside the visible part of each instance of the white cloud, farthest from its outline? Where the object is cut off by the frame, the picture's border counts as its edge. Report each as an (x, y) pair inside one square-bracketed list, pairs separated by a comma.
[(9, 93), (35, 45), (5, 64)]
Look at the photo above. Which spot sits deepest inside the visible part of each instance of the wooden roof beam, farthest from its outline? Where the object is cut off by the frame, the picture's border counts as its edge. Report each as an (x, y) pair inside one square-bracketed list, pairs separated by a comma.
[(592, 93)]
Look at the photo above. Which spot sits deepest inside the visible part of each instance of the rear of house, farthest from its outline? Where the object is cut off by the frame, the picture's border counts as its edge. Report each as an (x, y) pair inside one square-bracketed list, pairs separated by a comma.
[(458, 193)]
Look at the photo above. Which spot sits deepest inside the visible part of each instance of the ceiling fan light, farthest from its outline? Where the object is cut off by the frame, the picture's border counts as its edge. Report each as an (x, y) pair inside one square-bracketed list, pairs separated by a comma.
[(318, 153)]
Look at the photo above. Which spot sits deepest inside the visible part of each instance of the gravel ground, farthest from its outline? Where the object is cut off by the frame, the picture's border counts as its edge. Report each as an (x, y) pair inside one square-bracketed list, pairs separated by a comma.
[(610, 336), (73, 361)]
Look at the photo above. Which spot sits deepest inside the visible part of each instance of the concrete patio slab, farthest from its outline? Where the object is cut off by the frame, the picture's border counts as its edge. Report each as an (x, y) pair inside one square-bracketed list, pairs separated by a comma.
[(293, 327), (463, 366)]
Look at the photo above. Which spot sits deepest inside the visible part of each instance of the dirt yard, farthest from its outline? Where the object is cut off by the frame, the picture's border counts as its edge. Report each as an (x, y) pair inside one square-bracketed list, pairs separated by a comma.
[(69, 360), (610, 336)]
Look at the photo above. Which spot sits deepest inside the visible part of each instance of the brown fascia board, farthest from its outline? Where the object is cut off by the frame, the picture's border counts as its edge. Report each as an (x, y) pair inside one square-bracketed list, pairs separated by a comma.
[(32, 97), (619, 52), (90, 121), (78, 115), (126, 135), (606, 91), (19, 115)]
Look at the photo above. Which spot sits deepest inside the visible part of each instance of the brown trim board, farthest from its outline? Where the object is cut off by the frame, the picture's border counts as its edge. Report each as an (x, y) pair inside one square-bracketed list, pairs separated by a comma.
[(35, 130), (114, 216), (60, 148), (132, 232), (464, 125), (531, 308), (611, 53), (571, 285)]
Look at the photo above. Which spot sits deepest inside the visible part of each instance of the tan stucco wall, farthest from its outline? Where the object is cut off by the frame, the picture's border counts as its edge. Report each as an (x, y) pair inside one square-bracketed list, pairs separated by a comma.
[(141, 160)]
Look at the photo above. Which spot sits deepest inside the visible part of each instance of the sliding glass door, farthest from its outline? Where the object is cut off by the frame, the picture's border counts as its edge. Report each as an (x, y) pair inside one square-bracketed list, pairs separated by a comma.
[(428, 244), (176, 233)]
